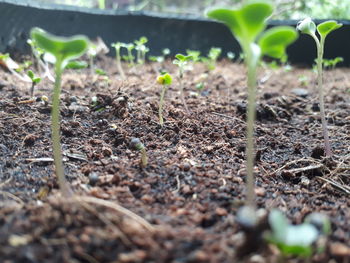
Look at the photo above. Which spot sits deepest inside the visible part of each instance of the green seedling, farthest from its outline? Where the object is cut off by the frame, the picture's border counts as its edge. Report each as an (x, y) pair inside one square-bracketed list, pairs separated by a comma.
[(130, 57), (137, 145), (62, 50), (160, 59), (118, 46), (141, 49), (247, 24), (103, 74), (35, 80), (182, 62), (24, 66), (212, 58), (95, 48), (230, 55), (332, 63), (164, 80), (307, 26), (297, 240), (195, 54)]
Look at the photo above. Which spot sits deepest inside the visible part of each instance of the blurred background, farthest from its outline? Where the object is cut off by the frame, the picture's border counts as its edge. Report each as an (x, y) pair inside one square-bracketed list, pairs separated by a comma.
[(285, 9)]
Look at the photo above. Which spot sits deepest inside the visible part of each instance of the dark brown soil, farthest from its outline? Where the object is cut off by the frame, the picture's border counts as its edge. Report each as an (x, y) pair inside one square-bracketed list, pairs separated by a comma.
[(194, 182)]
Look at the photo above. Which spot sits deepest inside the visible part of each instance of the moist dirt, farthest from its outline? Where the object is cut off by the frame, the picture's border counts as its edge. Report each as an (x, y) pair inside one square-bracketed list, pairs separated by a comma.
[(188, 195)]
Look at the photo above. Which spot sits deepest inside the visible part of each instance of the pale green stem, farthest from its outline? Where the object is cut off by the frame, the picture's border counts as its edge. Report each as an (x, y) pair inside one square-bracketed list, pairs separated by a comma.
[(55, 130), (320, 48), (119, 64), (161, 103), (250, 195), (131, 60), (101, 4), (182, 95)]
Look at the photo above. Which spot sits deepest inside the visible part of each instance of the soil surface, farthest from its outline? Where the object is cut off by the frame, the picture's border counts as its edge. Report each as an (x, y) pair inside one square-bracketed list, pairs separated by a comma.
[(188, 195)]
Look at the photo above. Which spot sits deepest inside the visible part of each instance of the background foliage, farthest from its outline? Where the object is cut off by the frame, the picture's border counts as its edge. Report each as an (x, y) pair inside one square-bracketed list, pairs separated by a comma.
[(285, 9)]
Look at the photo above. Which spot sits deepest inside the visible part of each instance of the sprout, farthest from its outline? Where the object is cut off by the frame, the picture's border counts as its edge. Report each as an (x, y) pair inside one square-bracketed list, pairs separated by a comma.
[(213, 56), (164, 80), (182, 62), (35, 80), (195, 54), (137, 145), (118, 46), (246, 24), (130, 58), (62, 49), (141, 49), (296, 239), (307, 26)]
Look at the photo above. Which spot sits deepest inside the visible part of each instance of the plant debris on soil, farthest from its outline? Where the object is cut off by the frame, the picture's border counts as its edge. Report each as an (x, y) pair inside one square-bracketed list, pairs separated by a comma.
[(194, 182)]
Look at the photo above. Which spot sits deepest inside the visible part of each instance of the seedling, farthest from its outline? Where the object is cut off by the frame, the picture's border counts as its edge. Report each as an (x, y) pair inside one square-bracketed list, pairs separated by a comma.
[(195, 54), (104, 76), (182, 62), (76, 64), (130, 57), (137, 145), (160, 59), (141, 49), (96, 47), (118, 46), (164, 80), (307, 26), (331, 63), (247, 25), (62, 50), (296, 240), (35, 80), (212, 58)]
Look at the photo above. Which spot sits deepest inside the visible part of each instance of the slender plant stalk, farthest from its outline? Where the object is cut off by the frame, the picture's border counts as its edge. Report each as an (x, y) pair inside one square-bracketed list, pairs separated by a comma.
[(250, 195), (130, 58), (182, 95), (320, 47), (161, 103), (119, 64), (144, 158), (55, 130)]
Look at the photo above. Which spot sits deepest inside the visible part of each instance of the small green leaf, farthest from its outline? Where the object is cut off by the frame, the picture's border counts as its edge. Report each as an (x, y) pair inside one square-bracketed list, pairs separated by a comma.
[(63, 48), (307, 26), (180, 57), (30, 74), (274, 41), (326, 27)]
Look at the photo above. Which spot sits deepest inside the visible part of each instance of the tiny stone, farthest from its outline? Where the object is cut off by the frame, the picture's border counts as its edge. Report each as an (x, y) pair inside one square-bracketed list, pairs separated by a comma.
[(340, 250), (259, 191), (221, 211), (300, 92), (186, 167), (93, 179), (73, 99), (304, 181)]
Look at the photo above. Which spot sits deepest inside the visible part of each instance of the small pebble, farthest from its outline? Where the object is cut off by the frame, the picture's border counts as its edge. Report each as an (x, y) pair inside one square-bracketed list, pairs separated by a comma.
[(300, 92), (93, 179)]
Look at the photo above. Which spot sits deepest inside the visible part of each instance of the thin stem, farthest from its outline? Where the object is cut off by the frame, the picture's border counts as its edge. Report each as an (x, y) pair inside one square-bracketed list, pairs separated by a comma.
[(144, 158), (320, 48), (161, 103), (131, 60), (250, 201), (55, 130), (182, 95), (119, 64)]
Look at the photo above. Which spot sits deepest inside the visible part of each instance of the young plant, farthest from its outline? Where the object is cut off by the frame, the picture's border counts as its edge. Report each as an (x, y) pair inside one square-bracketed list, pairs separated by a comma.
[(307, 26), (212, 58), (95, 48), (137, 145), (182, 62), (160, 59), (332, 63), (195, 54), (141, 49), (118, 46), (247, 24), (130, 57), (297, 240), (62, 50), (164, 80), (35, 80)]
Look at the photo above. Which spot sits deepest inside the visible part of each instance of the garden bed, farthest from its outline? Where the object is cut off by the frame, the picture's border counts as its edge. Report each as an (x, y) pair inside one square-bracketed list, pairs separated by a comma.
[(194, 182)]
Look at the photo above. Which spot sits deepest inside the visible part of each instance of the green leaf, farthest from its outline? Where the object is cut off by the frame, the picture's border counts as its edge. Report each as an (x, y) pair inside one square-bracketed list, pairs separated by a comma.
[(274, 41), (76, 64), (307, 26), (30, 74), (247, 22), (63, 48), (327, 27)]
